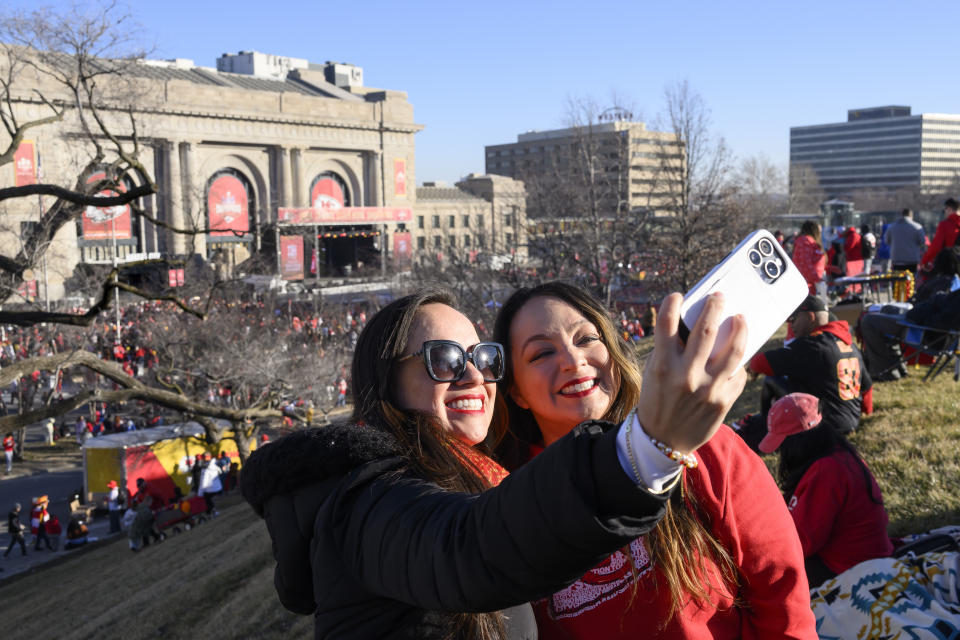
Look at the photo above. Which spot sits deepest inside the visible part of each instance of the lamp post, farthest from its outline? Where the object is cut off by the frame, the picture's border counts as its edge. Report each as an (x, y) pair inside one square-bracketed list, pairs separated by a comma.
[(116, 288)]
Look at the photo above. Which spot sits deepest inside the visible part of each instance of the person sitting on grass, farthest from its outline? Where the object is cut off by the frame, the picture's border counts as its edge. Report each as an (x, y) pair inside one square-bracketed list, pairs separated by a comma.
[(835, 501), (822, 360)]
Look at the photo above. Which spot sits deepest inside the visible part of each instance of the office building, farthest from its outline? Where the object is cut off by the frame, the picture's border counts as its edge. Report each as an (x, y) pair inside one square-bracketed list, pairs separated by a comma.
[(640, 168), (879, 149)]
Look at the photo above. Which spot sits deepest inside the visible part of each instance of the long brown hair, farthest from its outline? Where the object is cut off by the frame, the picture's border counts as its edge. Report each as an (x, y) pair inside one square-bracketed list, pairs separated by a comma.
[(682, 540), (430, 450), (812, 229)]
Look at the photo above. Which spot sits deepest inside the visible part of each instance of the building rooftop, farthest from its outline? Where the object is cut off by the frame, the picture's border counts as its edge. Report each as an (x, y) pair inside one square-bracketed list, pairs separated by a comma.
[(445, 193), (180, 70)]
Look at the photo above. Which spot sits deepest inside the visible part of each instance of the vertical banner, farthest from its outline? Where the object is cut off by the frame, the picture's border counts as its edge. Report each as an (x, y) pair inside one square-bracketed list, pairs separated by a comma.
[(313, 261), (228, 206), (402, 251), (327, 194), (291, 257), (175, 277), (28, 290), (25, 164), (399, 177), (105, 223)]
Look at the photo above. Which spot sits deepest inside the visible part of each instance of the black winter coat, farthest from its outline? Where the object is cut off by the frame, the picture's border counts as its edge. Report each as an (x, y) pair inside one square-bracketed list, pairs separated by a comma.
[(376, 552)]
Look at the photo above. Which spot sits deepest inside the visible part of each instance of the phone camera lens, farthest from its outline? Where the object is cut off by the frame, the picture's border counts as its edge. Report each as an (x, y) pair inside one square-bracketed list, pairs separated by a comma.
[(766, 247), (755, 257), (772, 269)]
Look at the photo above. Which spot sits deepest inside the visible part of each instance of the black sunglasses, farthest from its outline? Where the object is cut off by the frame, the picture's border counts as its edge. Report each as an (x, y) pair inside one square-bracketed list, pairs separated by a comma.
[(446, 360)]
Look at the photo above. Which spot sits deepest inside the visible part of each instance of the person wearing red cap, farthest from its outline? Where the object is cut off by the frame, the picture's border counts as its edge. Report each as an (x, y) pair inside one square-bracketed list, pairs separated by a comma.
[(835, 501)]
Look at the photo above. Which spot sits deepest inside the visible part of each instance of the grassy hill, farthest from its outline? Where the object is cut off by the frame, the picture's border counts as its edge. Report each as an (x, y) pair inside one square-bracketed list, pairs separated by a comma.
[(217, 580)]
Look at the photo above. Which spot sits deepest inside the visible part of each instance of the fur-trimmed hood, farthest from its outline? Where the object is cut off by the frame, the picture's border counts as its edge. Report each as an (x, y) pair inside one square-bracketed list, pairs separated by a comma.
[(308, 456)]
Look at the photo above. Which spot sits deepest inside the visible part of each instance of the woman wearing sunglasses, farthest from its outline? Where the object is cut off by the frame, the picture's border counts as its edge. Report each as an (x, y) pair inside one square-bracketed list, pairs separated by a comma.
[(398, 525), (725, 562)]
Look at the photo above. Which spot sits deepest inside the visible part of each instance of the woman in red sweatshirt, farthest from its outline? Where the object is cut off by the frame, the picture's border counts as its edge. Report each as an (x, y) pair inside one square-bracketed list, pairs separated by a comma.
[(724, 563), (809, 256), (834, 499)]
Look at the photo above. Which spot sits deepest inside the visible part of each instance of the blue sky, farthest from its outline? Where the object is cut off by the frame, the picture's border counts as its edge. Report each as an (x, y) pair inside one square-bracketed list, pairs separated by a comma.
[(480, 73)]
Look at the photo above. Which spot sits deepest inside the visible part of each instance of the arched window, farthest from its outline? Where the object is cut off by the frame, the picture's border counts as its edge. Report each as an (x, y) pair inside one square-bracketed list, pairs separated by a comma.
[(329, 191), (101, 229), (230, 199)]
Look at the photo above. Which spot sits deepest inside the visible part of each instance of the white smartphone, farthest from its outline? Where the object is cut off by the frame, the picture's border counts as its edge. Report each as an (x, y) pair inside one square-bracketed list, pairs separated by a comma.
[(759, 281)]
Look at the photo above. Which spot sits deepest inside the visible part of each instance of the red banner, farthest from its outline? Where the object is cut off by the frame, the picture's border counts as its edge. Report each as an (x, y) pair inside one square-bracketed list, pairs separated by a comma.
[(28, 290), (175, 277), (313, 261), (25, 164), (327, 194), (228, 206), (104, 223), (291, 257), (399, 177), (346, 215), (402, 251)]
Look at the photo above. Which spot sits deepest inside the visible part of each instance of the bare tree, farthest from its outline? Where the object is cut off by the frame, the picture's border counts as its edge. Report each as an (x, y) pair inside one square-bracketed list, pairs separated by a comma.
[(760, 189), (702, 220), (583, 223), (73, 70), (806, 194)]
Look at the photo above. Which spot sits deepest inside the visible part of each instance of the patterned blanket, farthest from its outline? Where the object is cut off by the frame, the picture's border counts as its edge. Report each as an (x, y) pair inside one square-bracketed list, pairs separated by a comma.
[(892, 599)]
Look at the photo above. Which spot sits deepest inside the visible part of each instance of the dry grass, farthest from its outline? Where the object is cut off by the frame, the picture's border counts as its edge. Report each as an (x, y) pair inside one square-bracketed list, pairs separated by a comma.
[(911, 443)]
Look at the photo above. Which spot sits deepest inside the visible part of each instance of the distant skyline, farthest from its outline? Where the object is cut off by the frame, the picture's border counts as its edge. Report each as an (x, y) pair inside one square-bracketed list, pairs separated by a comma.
[(479, 74)]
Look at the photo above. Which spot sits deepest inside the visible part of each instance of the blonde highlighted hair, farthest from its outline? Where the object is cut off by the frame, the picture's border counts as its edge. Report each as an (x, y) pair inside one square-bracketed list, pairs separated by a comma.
[(682, 541)]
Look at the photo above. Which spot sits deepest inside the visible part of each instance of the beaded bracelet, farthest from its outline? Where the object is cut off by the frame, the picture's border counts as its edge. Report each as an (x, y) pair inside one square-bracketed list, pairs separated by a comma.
[(686, 459)]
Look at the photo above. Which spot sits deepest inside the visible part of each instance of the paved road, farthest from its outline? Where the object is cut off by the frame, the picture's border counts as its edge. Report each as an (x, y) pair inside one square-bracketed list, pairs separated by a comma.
[(58, 485)]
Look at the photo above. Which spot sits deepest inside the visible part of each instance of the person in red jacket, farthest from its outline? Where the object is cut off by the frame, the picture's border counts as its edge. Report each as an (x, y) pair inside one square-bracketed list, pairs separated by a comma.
[(946, 235), (809, 256), (835, 501), (852, 244)]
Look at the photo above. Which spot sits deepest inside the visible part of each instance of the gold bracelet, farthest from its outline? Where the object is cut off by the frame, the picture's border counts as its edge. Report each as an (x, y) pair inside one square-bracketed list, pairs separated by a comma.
[(686, 459)]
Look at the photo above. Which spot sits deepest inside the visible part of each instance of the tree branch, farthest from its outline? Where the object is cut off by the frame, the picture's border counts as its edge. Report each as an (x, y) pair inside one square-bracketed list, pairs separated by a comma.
[(75, 197), (133, 390), (30, 318)]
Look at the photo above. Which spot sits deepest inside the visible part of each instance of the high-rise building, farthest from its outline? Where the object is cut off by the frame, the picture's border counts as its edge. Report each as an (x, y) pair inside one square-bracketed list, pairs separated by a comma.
[(880, 148), (637, 167)]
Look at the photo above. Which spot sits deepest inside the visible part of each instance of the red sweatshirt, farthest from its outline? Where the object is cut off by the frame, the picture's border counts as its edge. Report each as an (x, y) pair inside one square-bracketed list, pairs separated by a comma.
[(810, 259), (738, 494), (835, 517), (945, 237)]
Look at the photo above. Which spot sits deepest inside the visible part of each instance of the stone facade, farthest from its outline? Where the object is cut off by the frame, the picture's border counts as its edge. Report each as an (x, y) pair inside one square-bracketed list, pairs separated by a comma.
[(277, 137), (483, 215)]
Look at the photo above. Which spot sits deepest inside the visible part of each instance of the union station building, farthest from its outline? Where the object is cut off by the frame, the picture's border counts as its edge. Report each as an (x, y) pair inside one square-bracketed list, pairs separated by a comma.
[(285, 167)]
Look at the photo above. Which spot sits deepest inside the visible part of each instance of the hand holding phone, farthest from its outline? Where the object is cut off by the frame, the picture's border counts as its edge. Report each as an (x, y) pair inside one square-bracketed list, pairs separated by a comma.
[(689, 386), (758, 281)]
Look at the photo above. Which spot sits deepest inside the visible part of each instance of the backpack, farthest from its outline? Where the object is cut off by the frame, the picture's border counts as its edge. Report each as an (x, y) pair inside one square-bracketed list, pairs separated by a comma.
[(868, 246)]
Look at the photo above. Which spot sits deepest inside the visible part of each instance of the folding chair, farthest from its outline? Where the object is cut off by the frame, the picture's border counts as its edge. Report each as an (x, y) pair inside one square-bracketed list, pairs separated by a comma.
[(939, 344)]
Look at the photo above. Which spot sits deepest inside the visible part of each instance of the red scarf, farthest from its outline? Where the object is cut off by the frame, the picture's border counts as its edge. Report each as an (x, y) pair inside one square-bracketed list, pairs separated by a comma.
[(487, 466)]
